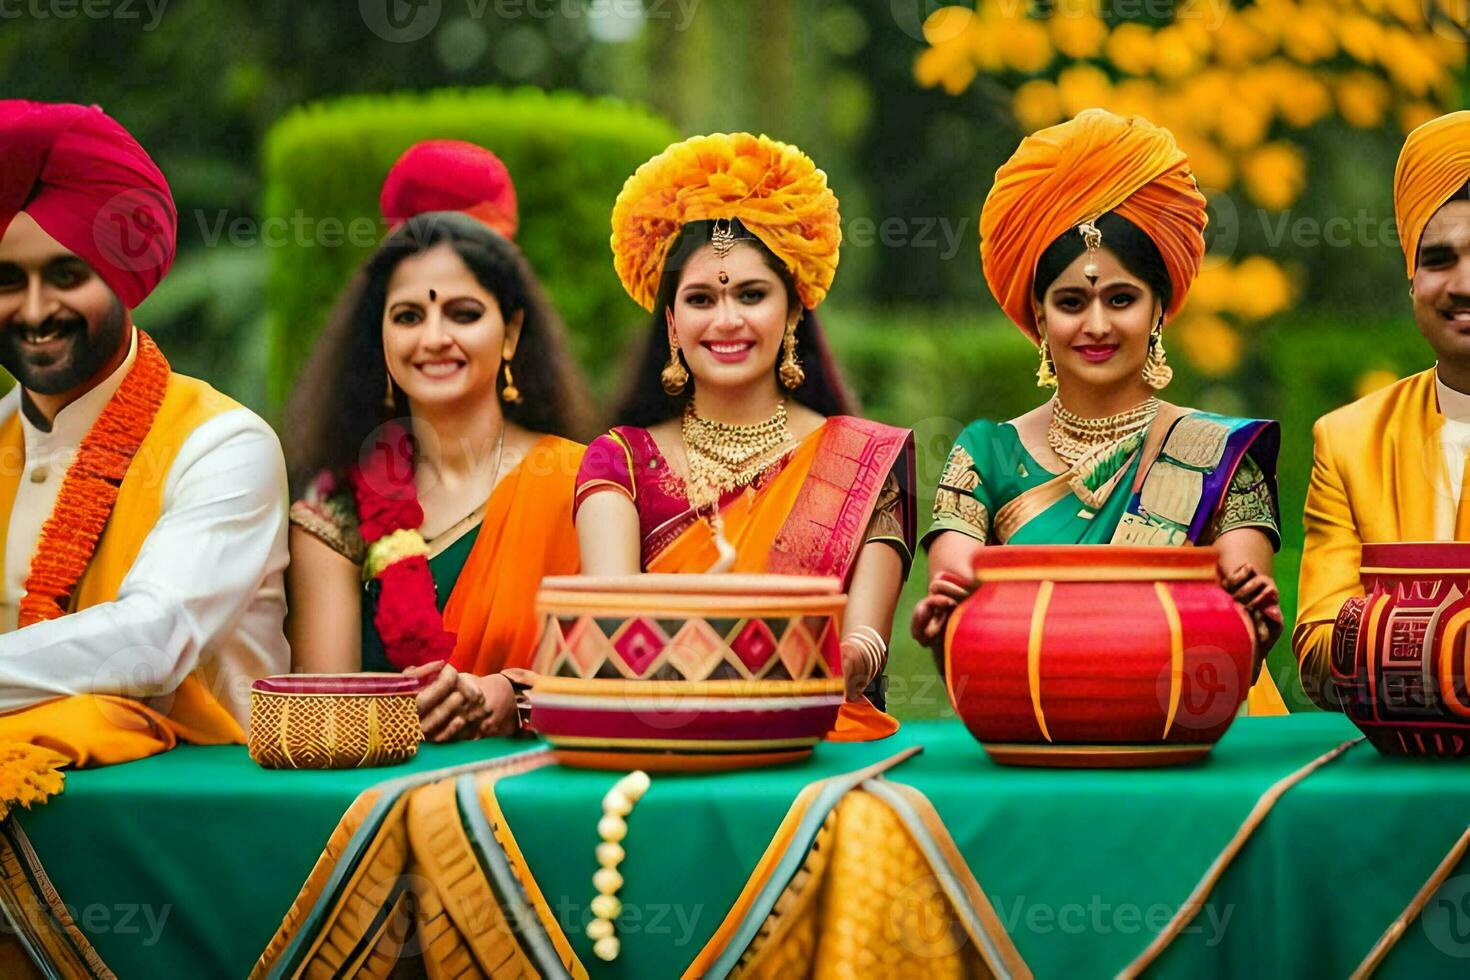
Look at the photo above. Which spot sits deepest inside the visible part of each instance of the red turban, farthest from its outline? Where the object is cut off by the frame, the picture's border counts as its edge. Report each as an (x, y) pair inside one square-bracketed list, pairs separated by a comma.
[(1075, 172), (450, 175), (90, 186), (1434, 163)]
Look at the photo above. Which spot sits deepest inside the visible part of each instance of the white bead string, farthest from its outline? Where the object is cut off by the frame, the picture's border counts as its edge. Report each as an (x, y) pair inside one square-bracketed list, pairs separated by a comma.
[(612, 828)]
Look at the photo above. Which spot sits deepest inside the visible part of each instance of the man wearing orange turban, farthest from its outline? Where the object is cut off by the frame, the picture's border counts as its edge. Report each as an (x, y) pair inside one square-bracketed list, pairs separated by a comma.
[(1091, 236), (1391, 466), (142, 513)]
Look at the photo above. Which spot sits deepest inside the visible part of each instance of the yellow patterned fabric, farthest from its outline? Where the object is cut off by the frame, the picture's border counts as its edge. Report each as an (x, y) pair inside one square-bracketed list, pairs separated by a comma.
[(867, 904), (416, 897)]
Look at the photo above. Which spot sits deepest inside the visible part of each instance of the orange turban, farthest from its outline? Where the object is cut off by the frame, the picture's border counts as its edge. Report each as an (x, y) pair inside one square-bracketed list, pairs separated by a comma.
[(1075, 172), (1434, 163), (773, 188)]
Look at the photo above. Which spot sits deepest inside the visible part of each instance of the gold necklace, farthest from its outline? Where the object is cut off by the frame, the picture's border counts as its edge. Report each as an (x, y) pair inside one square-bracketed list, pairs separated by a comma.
[(1072, 437), (724, 457)]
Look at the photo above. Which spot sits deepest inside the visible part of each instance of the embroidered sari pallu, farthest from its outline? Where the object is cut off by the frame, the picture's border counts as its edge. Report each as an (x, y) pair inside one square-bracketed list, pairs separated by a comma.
[(848, 483)]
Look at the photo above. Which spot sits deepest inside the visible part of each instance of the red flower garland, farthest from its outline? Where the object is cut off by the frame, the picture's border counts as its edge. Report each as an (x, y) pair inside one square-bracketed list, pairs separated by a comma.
[(89, 491), (407, 617)]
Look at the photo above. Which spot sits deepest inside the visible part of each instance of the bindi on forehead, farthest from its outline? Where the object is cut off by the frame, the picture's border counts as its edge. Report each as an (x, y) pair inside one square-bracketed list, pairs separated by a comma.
[(433, 295)]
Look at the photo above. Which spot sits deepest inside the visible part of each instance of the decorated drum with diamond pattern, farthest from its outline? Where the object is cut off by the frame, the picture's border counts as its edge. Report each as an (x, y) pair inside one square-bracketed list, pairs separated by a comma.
[(687, 672)]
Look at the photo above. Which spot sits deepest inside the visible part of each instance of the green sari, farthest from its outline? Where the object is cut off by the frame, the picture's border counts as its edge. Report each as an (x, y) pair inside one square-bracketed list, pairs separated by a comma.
[(1212, 474)]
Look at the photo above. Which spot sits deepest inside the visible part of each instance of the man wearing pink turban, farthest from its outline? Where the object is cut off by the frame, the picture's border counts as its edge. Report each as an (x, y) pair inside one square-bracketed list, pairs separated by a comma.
[(142, 513)]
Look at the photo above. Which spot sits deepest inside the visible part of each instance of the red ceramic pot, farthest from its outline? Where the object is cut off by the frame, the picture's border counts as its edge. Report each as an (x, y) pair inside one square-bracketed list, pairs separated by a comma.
[(1399, 653), (1098, 656), (687, 672)]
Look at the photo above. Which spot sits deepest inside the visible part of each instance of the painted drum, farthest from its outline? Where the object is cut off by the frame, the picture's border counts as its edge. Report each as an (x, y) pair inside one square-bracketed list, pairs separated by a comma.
[(1098, 656), (1399, 652), (687, 672)]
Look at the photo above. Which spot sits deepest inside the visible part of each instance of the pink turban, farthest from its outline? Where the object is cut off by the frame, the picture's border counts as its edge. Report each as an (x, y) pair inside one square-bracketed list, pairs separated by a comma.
[(450, 175), (90, 186)]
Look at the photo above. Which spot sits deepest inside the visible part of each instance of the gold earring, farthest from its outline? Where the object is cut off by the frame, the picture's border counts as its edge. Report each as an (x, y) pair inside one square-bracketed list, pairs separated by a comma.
[(791, 372), (1156, 371), (510, 393), (388, 394), (674, 375), (1046, 375)]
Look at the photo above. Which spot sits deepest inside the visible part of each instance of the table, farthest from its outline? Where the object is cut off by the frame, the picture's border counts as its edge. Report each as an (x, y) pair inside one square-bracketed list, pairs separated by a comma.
[(186, 863)]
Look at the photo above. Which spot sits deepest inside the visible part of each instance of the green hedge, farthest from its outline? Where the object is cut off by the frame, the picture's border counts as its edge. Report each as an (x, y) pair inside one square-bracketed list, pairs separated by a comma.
[(568, 155)]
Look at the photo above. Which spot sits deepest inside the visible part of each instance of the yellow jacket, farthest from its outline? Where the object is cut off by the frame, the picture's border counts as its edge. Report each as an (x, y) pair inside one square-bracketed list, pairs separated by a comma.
[(1376, 467)]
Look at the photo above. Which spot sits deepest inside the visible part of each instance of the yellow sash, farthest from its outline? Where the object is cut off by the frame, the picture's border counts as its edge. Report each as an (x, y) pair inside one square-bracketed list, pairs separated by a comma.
[(99, 729)]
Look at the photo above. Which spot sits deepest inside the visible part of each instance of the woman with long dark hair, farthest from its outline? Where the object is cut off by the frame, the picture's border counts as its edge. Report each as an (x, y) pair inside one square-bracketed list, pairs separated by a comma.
[(737, 450), (428, 438), (1091, 238)]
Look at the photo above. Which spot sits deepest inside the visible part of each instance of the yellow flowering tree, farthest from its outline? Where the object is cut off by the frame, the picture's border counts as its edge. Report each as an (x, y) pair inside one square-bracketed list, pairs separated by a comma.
[(1234, 83)]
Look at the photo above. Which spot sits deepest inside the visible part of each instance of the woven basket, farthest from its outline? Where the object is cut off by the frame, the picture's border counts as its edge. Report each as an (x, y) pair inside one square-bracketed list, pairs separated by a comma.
[(333, 721)]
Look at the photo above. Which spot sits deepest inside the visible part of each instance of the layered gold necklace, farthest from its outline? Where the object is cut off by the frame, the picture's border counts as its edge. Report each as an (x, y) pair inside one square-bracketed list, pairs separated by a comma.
[(724, 457), (1073, 437)]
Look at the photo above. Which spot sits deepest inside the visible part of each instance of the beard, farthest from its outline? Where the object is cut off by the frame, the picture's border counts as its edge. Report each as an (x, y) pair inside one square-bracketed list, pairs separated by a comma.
[(72, 353)]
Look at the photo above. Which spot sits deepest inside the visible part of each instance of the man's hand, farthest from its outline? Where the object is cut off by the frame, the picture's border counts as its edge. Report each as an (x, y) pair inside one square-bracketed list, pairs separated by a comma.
[(451, 705)]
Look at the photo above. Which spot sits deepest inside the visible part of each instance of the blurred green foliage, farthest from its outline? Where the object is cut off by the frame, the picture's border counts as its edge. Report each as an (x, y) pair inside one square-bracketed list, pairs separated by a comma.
[(567, 153)]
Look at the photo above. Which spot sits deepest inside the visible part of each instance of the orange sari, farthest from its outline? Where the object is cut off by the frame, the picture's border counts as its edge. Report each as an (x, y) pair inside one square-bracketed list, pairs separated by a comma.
[(526, 534), (811, 519)]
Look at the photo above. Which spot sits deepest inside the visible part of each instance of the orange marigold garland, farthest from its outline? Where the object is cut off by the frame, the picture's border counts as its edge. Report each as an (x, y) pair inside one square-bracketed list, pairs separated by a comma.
[(89, 491), (775, 190)]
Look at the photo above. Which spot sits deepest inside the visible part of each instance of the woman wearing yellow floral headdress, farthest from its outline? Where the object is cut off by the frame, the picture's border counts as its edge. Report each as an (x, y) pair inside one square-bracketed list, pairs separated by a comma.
[(737, 449), (1091, 237)]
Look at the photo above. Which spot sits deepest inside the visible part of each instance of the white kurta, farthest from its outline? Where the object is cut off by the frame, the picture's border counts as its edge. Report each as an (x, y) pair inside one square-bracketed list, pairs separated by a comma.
[(1454, 440), (207, 589)]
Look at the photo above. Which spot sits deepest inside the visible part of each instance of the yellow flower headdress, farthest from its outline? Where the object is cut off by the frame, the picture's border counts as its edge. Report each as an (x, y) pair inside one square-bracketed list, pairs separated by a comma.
[(772, 187)]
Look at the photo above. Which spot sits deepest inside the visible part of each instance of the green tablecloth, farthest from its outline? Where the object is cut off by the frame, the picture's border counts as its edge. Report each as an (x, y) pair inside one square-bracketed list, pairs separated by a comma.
[(183, 865)]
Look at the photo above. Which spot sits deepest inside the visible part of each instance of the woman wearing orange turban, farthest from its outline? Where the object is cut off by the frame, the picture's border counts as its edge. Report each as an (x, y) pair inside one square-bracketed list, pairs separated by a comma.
[(1090, 239)]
